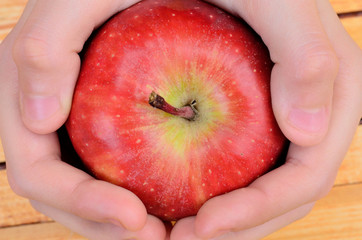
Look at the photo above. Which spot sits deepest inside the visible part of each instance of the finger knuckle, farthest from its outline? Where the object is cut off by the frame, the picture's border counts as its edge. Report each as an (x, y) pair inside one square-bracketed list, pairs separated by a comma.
[(317, 66), (18, 184), (323, 188), (32, 52)]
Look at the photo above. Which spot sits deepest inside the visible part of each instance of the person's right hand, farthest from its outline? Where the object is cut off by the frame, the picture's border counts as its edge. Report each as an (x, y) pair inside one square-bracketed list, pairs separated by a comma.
[(38, 69)]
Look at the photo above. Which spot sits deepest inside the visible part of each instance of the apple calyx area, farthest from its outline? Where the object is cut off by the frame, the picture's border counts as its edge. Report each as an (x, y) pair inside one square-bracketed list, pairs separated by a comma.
[(188, 112)]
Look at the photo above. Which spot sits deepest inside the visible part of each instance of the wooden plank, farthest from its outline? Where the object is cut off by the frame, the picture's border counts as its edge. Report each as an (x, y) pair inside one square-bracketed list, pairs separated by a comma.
[(15, 210), (346, 6), (44, 231), (353, 25), (10, 11), (337, 216), (351, 169)]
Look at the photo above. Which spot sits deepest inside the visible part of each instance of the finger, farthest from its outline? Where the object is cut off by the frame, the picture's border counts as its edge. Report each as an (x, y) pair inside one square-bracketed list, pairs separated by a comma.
[(305, 63), (184, 228), (46, 53), (59, 185), (269, 227), (36, 171), (271, 196), (153, 229)]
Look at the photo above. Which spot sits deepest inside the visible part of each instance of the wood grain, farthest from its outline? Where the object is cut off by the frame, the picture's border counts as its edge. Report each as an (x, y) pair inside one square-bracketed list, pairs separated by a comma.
[(353, 25), (337, 216), (346, 6), (10, 11), (45, 231)]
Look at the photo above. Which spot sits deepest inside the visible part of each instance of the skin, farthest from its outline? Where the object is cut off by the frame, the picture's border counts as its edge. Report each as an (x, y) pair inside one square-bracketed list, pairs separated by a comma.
[(316, 94)]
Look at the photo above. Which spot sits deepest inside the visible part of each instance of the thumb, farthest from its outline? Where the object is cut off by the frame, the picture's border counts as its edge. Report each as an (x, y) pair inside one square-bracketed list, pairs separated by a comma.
[(46, 54), (305, 63)]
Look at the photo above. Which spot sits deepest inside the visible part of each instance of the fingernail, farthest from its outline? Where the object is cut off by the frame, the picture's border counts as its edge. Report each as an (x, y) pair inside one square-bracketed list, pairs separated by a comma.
[(309, 120), (39, 107)]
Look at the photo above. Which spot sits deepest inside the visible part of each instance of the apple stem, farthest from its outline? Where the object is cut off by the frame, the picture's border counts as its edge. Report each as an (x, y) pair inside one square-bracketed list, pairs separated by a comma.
[(188, 112)]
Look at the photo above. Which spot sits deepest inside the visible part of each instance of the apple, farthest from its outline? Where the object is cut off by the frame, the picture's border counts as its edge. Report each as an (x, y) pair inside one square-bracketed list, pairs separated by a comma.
[(173, 103)]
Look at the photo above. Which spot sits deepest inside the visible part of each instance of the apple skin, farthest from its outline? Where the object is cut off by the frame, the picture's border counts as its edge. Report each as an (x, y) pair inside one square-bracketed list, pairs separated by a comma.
[(184, 50)]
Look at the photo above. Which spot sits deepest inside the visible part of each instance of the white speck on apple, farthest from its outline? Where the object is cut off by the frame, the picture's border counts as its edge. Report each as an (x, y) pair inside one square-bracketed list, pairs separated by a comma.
[(111, 35), (229, 141), (203, 184), (118, 116), (152, 190), (210, 172), (138, 141), (122, 171)]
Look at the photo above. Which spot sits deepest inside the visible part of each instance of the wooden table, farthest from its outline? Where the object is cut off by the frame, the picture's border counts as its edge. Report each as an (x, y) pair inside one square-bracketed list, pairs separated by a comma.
[(337, 216)]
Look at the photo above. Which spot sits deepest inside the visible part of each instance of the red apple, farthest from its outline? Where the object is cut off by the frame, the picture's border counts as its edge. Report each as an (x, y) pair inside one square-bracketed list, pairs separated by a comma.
[(210, 128)]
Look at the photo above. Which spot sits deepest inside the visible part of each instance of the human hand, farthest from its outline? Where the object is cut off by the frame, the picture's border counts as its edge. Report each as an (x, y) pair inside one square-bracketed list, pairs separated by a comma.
[(45, 45), (316, 95)]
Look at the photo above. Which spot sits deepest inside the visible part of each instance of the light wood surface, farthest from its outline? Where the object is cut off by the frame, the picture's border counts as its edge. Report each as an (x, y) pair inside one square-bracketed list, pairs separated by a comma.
[(337, 216)]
